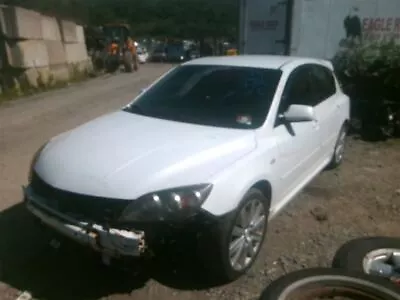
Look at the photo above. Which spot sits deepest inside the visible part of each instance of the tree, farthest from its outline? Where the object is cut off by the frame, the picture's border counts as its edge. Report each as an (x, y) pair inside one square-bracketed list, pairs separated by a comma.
[(176, 18)]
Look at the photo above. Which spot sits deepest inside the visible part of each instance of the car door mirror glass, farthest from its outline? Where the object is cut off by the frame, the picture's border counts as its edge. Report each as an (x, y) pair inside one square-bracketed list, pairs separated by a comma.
[(299, 113)]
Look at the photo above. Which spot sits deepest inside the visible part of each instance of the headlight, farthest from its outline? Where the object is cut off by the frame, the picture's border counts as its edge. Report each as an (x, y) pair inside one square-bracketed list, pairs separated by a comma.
[(168, 205), (34, 160), (182, 57)]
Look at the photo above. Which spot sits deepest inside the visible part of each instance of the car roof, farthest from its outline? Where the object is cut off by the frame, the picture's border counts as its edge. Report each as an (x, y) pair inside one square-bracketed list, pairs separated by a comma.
[(257, 61)]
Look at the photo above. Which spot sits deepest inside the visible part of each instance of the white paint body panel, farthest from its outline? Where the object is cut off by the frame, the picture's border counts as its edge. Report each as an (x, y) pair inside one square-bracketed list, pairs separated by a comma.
[(123, 155)]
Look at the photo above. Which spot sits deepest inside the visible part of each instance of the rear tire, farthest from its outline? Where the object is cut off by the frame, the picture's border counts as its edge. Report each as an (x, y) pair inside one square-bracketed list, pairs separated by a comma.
[(128, 61), (229, 234), (135, 63), (321, 283), (338, 152)]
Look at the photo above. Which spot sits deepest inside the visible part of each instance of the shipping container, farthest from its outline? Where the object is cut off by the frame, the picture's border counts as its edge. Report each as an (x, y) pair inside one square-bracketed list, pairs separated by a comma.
[(315, 28)]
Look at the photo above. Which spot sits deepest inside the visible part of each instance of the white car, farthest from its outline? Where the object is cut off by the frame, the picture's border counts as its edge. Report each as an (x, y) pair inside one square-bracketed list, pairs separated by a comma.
[(216, 146), (143, 55)]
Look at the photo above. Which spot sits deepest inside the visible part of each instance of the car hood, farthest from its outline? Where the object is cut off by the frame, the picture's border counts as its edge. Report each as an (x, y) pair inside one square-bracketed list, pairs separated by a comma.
[(124, 155)]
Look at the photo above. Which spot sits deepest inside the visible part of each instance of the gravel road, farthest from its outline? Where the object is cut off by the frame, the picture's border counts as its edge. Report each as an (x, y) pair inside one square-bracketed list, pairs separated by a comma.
[(361, 198)]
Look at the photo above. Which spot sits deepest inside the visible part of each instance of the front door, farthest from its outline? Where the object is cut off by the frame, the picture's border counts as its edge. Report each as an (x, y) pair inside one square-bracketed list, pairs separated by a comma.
[(298, 143)]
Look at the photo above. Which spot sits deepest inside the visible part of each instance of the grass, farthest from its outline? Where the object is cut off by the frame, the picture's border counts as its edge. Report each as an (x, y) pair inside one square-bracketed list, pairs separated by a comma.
[(22, 88)]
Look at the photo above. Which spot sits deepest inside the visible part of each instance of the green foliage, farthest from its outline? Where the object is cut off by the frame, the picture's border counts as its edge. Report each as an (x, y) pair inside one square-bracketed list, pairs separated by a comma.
[(373, 68), (173, 18), (21, 86)]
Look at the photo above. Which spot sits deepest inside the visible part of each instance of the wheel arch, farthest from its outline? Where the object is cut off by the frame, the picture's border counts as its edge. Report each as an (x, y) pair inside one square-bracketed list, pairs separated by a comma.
[(265, 187), (231, 186), (238, 193), (346, 124)]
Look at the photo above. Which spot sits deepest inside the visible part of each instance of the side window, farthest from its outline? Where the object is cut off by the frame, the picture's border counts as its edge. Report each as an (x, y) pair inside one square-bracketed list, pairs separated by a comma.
[(298, 89), (323, 83)]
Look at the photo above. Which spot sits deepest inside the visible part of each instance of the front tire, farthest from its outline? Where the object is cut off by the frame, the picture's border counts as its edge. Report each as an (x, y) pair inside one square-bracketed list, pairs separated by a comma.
[(111, 65), (237, 240)]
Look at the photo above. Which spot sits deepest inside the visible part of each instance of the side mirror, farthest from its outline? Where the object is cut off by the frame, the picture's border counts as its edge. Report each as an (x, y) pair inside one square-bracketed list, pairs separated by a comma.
[(299, 113)]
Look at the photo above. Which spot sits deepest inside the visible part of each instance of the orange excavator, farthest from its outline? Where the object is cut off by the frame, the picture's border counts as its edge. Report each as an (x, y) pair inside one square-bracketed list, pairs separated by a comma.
[(120, 47)]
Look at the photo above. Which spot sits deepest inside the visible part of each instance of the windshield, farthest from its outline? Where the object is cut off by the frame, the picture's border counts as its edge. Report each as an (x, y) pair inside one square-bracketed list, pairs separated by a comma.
[(112, 32), (211, 95)]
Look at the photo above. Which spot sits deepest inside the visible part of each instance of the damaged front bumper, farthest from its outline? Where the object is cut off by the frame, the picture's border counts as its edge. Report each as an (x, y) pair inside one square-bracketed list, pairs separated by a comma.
[(110, 241)]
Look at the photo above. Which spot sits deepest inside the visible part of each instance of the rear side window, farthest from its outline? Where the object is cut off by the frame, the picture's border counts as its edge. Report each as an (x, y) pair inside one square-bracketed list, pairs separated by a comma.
[(323, 83)]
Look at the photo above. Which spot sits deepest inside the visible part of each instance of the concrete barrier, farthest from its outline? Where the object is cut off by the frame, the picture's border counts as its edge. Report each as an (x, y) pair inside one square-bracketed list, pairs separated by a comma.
[(43, 48), (80, 34), (51, 30), (76, 52), (56, 52), (60, 72), (20, 23), (47, 76), (38, 76), (68, 30), (80, 69), (27, 54)]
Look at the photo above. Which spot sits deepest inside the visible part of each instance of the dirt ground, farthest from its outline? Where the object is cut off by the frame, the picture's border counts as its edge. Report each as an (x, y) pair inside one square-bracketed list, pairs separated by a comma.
[(361, 198)]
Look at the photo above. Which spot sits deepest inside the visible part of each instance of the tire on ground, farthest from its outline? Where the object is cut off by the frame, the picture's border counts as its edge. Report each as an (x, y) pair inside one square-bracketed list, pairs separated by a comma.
[(316, 280), (214, 246), (334, 163), (135, 60), (128, 61), (111, 64), (350, 255)]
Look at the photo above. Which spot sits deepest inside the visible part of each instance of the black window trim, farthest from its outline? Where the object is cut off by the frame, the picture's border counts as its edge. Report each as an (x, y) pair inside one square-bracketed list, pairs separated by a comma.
[(311, 66), (287, 83), (330, 74)]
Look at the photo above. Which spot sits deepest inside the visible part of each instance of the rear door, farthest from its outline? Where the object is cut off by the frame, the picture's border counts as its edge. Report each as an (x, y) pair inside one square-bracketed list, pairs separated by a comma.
[(264, 26), (326, 105)]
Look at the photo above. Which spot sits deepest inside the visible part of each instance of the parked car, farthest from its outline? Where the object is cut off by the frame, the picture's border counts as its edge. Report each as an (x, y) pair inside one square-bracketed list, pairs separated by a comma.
[(176, 52), (194, 54), (171, 52), (142, 54), (159, 54), (215, 148)]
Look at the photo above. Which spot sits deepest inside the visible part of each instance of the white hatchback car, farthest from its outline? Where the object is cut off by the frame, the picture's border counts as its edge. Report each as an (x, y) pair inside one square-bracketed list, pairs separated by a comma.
[(220, 143)]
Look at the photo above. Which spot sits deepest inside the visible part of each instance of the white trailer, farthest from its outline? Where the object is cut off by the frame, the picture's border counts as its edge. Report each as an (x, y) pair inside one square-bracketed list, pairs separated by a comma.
[(315, 28)]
